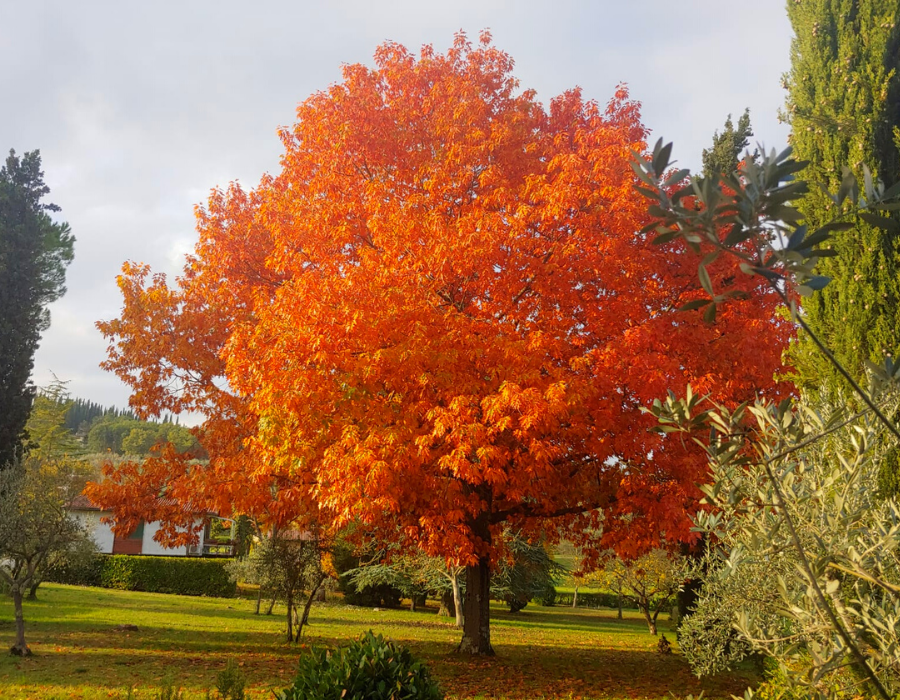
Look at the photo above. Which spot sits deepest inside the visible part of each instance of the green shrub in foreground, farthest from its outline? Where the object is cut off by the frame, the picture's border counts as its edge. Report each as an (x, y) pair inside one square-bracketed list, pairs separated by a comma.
[(178, 575), (370, 668)]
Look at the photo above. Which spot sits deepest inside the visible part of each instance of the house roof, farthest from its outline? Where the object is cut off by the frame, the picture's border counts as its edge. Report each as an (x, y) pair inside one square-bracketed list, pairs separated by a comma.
[(82, 502)]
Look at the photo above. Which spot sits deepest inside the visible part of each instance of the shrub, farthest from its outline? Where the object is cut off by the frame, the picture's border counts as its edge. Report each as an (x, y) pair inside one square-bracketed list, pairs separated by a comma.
[(178, 575), (79, 572), (168, 691), (370, 668), (381, 595), (548, 598), (230, 682)]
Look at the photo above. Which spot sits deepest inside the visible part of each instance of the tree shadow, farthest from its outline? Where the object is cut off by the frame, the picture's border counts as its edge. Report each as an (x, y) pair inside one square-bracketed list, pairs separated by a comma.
[(517, 672)]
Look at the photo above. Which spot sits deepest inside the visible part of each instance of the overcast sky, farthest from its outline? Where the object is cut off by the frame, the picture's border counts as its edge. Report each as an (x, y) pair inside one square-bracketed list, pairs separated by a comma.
[(140, 109)]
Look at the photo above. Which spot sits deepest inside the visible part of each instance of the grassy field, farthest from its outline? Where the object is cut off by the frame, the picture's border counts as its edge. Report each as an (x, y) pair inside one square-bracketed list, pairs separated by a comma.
[(541, 652)]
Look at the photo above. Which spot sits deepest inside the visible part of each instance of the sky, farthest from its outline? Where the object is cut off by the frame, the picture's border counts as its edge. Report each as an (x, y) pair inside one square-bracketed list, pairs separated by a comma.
[(139, 110)]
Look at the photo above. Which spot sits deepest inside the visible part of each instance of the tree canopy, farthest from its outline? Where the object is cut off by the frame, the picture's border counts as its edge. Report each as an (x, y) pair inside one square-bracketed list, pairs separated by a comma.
[(440, 319)]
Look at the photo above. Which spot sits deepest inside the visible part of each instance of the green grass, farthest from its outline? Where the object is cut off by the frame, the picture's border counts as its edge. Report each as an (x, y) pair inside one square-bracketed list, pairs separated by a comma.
[(541, 652)]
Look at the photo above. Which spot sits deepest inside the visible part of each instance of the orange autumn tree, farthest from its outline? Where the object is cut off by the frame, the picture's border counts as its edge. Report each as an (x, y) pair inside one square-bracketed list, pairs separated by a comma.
[(440, 320), (169, 350)]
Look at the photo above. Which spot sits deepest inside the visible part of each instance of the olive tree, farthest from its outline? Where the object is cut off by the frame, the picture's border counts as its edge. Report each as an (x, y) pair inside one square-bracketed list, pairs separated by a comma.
[(803, 565), (35, 525), (290, 566)]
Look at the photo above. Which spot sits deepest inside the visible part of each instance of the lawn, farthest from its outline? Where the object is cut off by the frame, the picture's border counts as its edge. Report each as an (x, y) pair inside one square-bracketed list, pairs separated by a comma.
[(541, 652)]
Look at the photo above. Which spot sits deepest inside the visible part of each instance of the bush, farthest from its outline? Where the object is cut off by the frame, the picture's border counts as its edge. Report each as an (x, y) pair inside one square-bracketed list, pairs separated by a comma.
[(371, 668), (84, 571), (230, 682), (380, 595), (549, 597), (178, 575)]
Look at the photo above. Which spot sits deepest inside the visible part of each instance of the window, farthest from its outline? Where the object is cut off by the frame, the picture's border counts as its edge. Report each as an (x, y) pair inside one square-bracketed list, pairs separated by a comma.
[(138, 533)]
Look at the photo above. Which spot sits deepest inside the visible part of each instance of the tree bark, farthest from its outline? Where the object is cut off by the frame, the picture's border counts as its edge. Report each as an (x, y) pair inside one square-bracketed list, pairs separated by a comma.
[(620, 605), (448, 606), (477, 624), (271, 605), (32, 593), (304, 619), (575, 598), (20, 648), (258, 600), (290, 617), (458, 604), (651, 620)]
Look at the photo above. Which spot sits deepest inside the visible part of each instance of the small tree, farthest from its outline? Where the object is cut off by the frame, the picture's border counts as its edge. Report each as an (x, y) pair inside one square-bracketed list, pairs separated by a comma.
[(651, 581), (415, 575), (46, 426), (287, 568), (528, 571), (49, 439), (35, 525)]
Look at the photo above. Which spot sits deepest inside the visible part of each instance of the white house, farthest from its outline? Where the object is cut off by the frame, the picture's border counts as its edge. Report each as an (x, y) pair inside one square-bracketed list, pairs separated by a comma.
[(140, 541)]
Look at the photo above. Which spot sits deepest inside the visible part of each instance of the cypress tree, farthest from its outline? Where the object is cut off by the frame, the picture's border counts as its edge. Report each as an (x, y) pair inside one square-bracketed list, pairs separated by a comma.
[(34, 254), (723, 156), (844, 108)]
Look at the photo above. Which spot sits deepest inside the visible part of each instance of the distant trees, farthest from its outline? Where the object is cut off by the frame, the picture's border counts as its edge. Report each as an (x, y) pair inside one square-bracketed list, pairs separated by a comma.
[(100, 429), (129, 436), (34, 254), (83, 413)]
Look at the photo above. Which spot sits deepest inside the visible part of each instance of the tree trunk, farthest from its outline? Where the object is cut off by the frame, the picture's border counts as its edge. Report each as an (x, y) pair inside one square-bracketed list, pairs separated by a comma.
[(304, 619), (296, 618), (290, 617), (20, 648), (620, 605), (477, 624), (258, 600), (32, 593), (651, 620), (575, 598), (448, 606), (458, 604), (418, 601), (271, 605)]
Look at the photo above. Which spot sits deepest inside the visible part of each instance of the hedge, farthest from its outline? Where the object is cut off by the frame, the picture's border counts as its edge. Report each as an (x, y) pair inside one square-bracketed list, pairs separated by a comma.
[(178, 575), (601, 600)]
